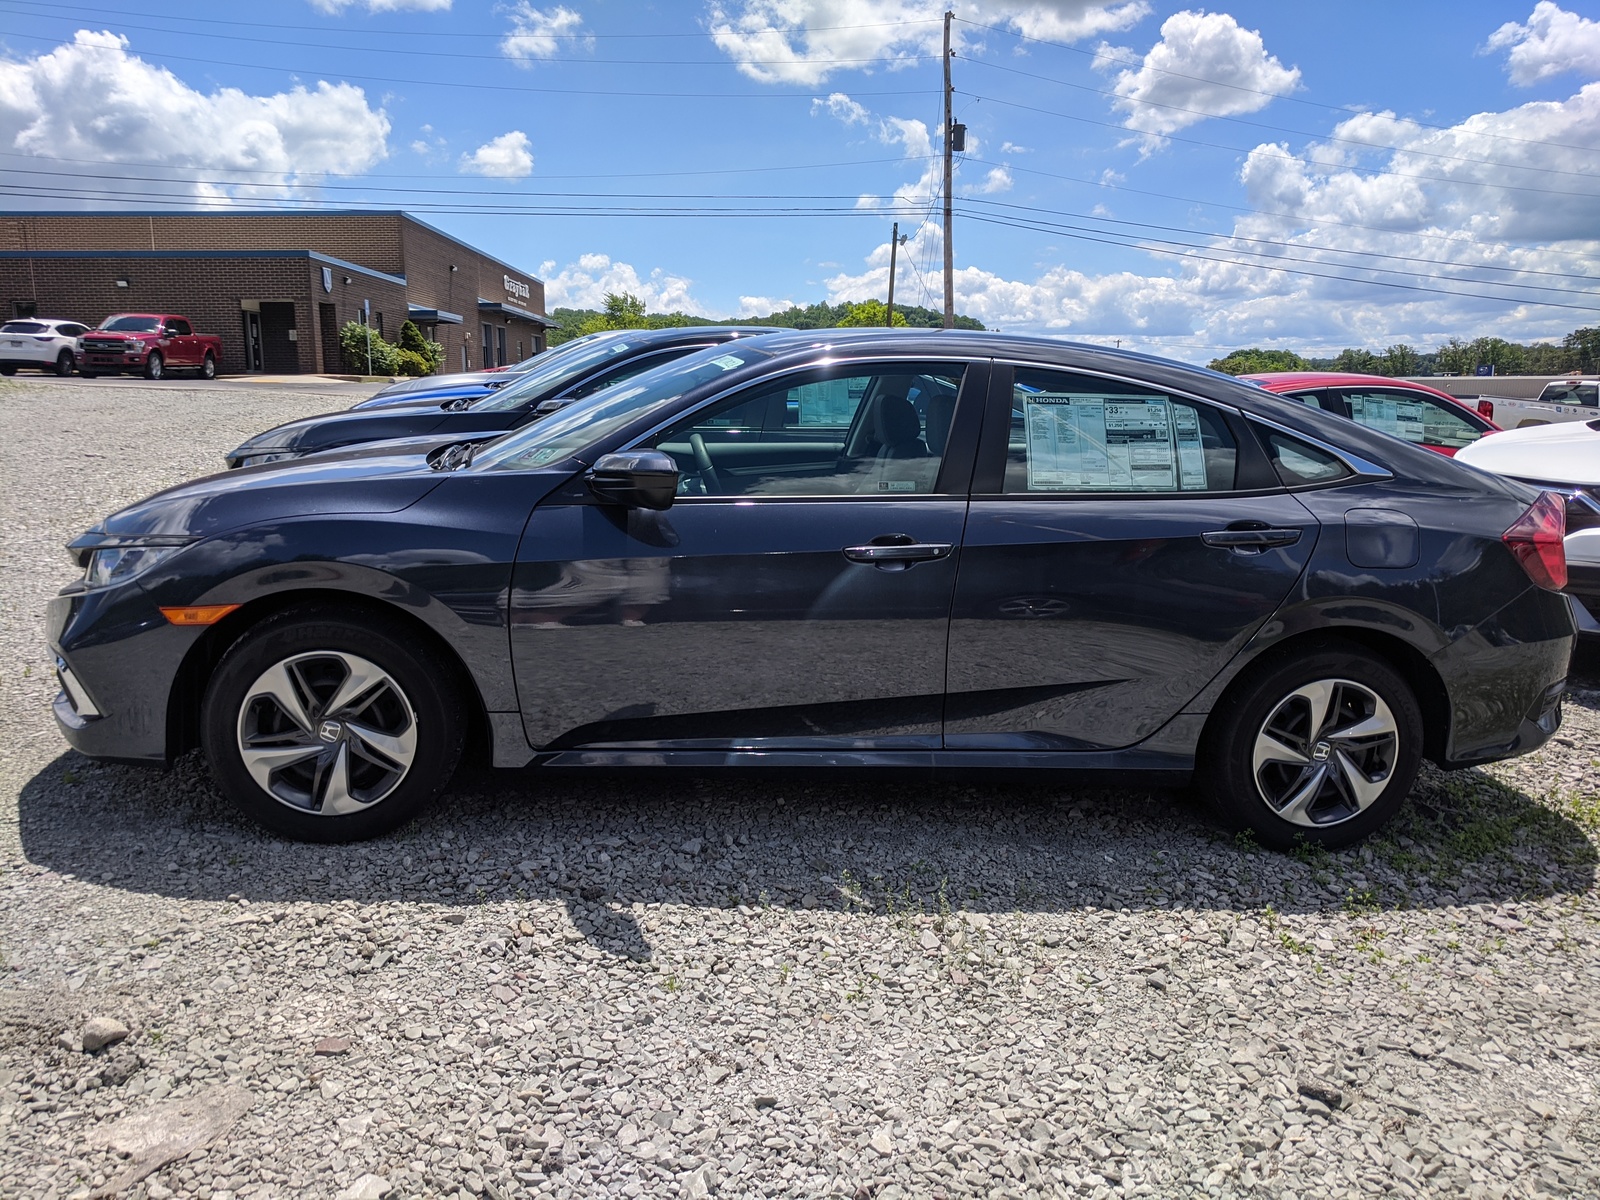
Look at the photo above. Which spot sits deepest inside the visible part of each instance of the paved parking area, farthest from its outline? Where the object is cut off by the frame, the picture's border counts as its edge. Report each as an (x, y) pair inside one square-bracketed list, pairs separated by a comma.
[(644, 985)]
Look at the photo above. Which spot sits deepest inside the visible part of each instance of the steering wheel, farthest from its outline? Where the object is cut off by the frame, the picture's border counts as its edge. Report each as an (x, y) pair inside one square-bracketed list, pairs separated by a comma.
[(703, 465)]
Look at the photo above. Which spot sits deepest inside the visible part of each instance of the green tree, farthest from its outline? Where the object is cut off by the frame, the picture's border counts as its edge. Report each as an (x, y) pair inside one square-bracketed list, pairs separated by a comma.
[(1454, 358), (1585, 344), (1400, 359), (868, 313), (362, 346), (1507, 358), (429, 354), (1256, 361), (1357, 362)]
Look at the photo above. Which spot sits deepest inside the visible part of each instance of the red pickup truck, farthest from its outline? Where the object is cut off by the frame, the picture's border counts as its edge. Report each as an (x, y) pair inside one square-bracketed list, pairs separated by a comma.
[(150, 344)]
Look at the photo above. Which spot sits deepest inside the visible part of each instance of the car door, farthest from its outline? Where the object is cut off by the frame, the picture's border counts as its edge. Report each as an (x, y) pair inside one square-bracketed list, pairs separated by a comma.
[(179, 344), (1423, 420), (797, 594), (1123, 543)]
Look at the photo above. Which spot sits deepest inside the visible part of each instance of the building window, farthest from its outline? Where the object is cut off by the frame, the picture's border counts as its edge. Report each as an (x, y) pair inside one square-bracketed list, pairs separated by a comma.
[(500, 346), (378, 324), (24, 308)]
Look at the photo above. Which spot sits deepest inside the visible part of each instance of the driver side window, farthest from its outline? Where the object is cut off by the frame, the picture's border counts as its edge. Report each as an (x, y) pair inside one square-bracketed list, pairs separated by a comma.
[(871, 432)]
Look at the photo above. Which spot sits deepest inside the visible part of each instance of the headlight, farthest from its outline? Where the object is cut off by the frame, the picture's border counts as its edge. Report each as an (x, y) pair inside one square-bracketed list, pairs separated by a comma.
[(117, 564), (255, 460)]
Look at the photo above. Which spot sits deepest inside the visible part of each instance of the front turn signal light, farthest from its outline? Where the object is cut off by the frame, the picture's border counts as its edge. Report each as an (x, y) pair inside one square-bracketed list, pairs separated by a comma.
[(200, 614)]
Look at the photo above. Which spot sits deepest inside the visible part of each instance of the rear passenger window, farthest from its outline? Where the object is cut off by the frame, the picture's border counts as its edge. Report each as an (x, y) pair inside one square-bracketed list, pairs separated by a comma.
[(1421, 420), (1298, 464), (1078, 434)]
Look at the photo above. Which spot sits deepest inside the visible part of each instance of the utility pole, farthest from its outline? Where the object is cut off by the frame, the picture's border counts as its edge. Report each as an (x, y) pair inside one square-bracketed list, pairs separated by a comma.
[(895, 242), (949, 142)]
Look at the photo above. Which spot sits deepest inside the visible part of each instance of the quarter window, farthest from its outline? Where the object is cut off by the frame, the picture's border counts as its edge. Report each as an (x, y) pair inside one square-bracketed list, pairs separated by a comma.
[(1413, 417), (1301, 465), (879, 432), (1078, 434)]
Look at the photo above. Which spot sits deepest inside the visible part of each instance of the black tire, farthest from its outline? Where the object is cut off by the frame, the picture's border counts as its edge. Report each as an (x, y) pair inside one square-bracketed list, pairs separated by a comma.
[(82, 374), (155, 365), (416, 699), (1364, 780), (8, 370), (208, 369), (64, 362)]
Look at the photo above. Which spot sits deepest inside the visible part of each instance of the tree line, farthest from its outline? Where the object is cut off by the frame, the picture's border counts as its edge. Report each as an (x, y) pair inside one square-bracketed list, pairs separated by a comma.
[(1578, 351), (622, 310)]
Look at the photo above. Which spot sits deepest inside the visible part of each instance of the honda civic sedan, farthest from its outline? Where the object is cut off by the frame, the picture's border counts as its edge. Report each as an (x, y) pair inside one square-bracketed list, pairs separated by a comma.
[(566, 375), (863, 548)]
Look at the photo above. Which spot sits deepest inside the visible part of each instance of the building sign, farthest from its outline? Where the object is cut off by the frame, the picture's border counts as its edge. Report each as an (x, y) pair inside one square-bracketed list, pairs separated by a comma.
[(515, 288)]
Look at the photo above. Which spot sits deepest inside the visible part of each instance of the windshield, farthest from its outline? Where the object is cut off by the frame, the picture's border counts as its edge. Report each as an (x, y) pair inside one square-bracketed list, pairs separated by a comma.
[(555, 372), (131, 324), (596, 417)]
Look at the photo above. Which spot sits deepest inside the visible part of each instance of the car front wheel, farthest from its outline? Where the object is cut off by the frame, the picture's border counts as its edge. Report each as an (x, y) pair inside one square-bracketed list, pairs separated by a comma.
[(153, 366), (331, 727), (1319, 749), (64, 363)]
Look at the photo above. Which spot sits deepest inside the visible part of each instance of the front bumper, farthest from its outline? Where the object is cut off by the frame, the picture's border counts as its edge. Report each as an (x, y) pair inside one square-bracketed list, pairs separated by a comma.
[(117, 660)]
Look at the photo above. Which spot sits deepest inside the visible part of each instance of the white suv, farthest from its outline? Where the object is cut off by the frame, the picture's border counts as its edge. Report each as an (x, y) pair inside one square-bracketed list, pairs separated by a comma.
[(40, 343)]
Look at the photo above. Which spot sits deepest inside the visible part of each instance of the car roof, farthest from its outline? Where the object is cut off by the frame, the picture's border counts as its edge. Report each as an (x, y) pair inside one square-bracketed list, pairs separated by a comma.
[(690, 333), (1287, 380)]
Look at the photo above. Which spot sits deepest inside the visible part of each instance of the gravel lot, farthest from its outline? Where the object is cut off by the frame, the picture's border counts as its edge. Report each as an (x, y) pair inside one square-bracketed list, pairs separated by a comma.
[(645, 986)]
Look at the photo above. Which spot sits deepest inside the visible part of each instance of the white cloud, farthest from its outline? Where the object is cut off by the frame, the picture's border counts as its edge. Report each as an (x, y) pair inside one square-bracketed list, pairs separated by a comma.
[(1204, 62), (338, 6), (541, 33), (584, 284), (90, 99), (842, 107), (806, 41), (508, 156), (1013, 148), (761, 306), (997, 180), (1552, 42)]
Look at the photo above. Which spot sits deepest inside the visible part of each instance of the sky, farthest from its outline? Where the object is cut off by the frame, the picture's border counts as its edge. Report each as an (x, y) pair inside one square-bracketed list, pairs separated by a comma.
[(1180, 180)]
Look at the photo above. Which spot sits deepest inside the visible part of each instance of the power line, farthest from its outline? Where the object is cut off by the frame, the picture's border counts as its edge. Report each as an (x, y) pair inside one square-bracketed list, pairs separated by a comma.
[(1510, 187), (1322, 137), (1239, 87)]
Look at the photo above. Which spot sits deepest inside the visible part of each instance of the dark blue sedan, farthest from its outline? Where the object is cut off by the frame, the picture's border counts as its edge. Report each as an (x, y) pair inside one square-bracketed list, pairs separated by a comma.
[(862, 548)]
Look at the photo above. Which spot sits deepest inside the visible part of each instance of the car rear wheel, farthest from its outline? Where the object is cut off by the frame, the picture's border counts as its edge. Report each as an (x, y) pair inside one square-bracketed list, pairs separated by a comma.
[(154, 365), (208, 369), (1320, 749), (8, 370), (64, 363), (88, 374), (327, 727)]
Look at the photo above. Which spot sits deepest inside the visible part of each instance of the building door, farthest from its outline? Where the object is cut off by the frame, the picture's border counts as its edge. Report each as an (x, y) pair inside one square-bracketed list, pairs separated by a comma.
[(328, 321), (488, 346), (500, 346), (279, 354), (252, 341)]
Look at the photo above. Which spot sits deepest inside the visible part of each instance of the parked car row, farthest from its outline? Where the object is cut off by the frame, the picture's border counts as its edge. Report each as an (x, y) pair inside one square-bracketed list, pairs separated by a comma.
[(865, 548), (148, 344)]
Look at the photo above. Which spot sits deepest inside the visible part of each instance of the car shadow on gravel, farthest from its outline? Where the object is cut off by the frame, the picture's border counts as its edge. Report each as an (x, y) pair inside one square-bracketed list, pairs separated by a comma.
[(606, 845)]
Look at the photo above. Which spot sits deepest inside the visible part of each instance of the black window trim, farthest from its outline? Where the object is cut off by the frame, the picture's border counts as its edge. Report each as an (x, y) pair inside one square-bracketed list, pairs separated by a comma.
[(1362, 470)]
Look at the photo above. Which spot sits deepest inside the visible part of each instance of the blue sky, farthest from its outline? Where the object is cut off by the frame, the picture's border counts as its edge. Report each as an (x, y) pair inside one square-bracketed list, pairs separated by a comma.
[(1182, 180)]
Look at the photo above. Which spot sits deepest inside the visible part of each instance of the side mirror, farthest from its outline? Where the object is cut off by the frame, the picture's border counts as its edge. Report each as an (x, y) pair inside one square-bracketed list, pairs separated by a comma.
[(635, 479), (555, 404)]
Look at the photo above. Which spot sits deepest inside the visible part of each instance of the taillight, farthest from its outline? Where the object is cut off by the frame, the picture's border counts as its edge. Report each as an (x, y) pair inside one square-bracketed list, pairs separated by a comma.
[(1486, 409), (1536, 541)]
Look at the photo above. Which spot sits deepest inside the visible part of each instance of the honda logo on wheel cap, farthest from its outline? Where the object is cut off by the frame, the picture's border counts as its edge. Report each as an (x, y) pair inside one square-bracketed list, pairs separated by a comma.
[(329, 731)]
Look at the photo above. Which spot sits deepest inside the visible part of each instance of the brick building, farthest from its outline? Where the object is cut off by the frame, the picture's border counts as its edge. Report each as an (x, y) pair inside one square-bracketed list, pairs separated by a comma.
[(276, 286)]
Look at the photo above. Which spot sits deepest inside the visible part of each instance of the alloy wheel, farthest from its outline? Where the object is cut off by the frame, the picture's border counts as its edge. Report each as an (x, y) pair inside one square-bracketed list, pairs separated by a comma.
[(327, 732), (1326, 752)]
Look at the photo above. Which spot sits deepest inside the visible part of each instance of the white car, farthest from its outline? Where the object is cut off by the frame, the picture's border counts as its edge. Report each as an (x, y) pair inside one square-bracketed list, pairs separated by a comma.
[(41, 344), (1561, 458)]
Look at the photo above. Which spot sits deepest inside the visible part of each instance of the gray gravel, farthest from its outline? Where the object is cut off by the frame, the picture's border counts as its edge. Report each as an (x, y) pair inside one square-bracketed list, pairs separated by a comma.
[(638, 985)]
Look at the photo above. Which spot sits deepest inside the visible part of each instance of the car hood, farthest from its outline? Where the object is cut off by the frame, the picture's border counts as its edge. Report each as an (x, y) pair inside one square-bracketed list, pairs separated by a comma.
[(394, 446), (354, 483), (327, 430), (435, 395), (1560, 453)]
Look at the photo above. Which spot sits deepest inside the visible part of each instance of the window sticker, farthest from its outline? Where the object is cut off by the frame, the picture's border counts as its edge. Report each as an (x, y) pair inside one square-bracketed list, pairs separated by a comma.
[(728, 362), (1389, 414), (1084, 442), (829, 402)]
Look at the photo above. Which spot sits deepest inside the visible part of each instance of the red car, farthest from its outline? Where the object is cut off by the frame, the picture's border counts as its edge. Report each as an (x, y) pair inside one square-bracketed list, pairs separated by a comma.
[(148, 344), (1415, 412)]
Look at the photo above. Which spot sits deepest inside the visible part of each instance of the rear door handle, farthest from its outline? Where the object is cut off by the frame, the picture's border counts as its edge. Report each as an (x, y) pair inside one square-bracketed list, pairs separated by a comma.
[(1250, 540)]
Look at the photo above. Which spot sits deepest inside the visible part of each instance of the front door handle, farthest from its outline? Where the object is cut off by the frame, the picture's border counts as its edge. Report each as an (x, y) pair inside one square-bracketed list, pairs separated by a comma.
[(897, 551), (1250, 541)]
